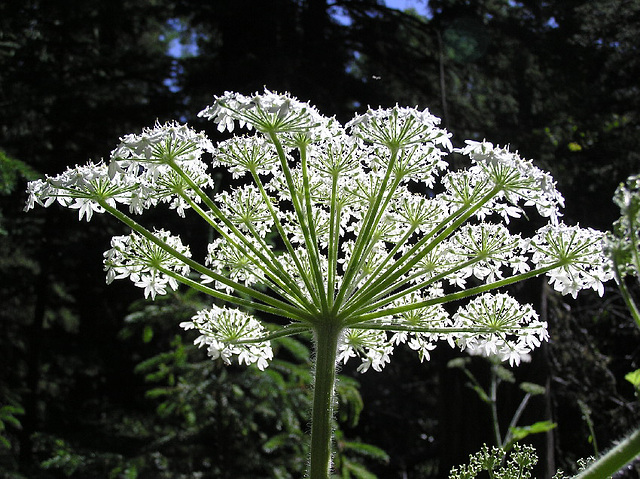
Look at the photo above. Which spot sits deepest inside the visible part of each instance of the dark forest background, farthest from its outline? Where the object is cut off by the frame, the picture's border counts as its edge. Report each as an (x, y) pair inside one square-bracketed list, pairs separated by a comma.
[(95, 382)]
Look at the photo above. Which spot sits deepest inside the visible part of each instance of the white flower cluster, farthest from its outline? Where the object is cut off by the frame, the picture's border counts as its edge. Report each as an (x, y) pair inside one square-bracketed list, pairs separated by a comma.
[(623, 242), (519, 179), (226, 332), (82, 188), (398, 126), (374, 347), (362, 225), (371, 346), (145, 263), (160, 165), (581, 253), (265, 112), (512, 330)]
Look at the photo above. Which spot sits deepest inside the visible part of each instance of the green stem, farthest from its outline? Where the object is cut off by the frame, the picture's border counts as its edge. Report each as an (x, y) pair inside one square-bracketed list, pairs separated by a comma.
[(634, 241), (308, 206), (376, 274), (586, 414), (304, 220), (395, 271), (371, 220), (240, 288), (271, 268), (493, 403), (515, 419), (275, 268), (281, 332), (238, 301), (381, 300), (363, 316), (334, 241), (618, 457), (398, 326), (626, 295), (327, 335), (287, 244)]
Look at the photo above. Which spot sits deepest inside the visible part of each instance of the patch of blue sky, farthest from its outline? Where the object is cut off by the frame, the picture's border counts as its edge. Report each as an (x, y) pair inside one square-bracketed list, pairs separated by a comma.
[(420, 6)]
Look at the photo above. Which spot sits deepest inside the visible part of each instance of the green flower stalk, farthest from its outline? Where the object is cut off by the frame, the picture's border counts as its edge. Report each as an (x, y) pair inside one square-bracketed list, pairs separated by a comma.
[(375, 236), (623, 242)]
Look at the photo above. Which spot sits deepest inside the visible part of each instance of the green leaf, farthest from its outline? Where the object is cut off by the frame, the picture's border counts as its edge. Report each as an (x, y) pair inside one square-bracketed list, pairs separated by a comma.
[(357, 470), (276, 442), (634, 378), (10, 420), (573, 146), (505, 374), (10, 411), (532, 388), (351, 403), (460, 363), (11, 171), (299, 351), (147, 334), (162, 372), (149, 364), (158, 392), (367, 450), (480, 392), (519, 433)]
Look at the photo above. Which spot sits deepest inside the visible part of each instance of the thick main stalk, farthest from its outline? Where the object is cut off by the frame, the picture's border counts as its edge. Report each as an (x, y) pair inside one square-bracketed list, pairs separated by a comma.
[(327, 336)]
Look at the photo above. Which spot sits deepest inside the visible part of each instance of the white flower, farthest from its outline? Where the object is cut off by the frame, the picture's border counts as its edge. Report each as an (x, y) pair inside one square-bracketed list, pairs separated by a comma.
[(242, 154), (266, 112), (230, 332), (518, 179), (499, 326), (247, 209), (238, 264), (372, 347), (82, 188), (86, 206), (153, 284), (170, 141), (136, 257), (579, 253), (400, 127)]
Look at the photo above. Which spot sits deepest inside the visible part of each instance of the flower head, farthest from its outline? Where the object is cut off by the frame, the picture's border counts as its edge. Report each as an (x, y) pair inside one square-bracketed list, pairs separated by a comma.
[(400, 127), (230, 332), (579, 253), (148, 264), (372, 347), (499, 326), (266, 112), (362, 225)]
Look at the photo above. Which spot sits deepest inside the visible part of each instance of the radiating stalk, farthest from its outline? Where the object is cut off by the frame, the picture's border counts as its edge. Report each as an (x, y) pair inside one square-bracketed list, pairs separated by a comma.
[(304, 221), (372, 216), (274, 302), (361, 316)]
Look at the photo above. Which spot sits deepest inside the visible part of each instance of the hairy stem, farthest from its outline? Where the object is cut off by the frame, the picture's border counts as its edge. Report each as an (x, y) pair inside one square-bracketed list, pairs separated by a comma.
[(327, 335), (623, 453)]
